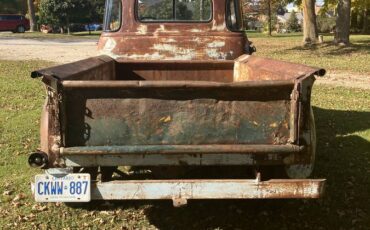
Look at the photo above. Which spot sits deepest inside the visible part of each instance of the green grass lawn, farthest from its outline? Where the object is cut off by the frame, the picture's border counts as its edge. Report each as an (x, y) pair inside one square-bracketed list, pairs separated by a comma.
[(343, 123), (288, 47)]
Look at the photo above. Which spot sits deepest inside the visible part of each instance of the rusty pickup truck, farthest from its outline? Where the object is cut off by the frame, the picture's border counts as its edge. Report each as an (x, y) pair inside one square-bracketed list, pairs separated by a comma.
[(176, 89)]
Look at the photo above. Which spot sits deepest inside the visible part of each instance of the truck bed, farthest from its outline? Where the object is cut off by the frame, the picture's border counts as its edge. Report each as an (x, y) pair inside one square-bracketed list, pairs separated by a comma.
[(110, 107)]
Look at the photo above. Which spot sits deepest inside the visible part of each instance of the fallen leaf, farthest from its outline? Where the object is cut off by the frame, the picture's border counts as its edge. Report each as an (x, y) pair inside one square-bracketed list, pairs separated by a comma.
[(7, 193), (19, 197), (16, 204), (39, 208), (58, 204), (105, 213)]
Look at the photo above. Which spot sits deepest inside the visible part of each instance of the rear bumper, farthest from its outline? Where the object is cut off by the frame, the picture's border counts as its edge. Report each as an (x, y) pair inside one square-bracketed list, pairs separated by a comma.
[(182, 190)]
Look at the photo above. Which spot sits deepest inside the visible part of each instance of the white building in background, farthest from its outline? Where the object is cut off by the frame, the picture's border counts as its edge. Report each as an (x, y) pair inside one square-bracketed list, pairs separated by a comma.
[(284, 18)]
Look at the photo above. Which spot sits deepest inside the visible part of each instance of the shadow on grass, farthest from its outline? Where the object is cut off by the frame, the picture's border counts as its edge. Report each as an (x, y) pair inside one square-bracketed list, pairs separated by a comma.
[(273, 36), (330, 48), (86, 35), (343, 158), (287, 35)]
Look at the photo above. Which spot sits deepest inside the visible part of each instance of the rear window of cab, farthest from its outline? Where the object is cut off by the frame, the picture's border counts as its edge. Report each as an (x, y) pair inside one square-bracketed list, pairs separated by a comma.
[(173, 11)]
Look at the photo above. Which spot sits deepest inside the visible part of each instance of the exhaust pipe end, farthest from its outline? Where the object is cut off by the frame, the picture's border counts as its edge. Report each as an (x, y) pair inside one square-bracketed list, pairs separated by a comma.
[(38, 160)]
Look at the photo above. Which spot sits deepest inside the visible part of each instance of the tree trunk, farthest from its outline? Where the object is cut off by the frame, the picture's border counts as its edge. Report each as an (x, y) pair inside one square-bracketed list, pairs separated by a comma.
[(31, 12), (365, 22), (355, 21), (201, 5), (343, 22), (309, 22), (68, 27), (269, 17)]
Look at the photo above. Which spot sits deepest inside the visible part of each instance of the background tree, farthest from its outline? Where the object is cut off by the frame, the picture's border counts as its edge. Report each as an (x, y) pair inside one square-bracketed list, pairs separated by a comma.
[(96, 10), (264, 10), (63, 12), (292, 23), (163, 10), (269, 9), (13, 6), (94, 13), (202, 9), (359, 15), (310, 33), (342, 30), (32, 16), (182, 12), (325, 24), (252, 11), (269, 16)]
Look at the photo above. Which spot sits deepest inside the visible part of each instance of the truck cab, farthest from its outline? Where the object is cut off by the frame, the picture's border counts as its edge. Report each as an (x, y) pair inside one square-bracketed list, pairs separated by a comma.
[(174, 30), (176, 87)]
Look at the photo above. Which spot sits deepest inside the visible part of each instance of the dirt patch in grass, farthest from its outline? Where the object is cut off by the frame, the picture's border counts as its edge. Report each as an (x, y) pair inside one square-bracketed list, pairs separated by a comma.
[(58, 51)]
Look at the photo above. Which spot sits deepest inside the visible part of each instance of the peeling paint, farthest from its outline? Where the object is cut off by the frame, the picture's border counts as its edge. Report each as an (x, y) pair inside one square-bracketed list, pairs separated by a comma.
[(142, 29), (216, 44), (216, 54), (163, 29), (218, 27), (177, 52), (182, 190), (197, 40), (170, 40), (110, 45), (147, 56)]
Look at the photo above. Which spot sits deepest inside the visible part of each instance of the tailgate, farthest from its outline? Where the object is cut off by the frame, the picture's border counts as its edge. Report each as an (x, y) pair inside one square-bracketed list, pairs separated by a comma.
[(161, 113)]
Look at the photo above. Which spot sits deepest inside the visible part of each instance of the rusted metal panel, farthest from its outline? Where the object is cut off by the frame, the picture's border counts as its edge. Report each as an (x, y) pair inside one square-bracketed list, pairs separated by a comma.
[(95, 68), (195, 70), (118, 158), (207, 189), (254, 68), (185, 149), (173, 47), (196, 159), (250, 85), (175, 116), (173, 41)]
